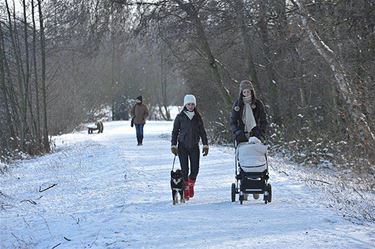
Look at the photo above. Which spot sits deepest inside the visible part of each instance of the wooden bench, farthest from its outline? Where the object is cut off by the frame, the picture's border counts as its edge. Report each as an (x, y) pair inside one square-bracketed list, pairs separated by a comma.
[(99, 127)]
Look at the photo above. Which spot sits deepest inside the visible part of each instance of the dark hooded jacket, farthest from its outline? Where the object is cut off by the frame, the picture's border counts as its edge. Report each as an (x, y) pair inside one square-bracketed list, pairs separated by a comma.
[(188, 132), (236, 124)]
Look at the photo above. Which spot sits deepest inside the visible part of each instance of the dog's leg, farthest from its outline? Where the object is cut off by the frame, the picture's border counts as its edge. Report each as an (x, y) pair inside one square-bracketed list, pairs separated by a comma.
[(174, 197), (181, 196)]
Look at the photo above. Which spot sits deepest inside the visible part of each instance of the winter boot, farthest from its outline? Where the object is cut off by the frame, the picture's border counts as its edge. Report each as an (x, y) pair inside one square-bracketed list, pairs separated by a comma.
[(186, 190), (191, 184)]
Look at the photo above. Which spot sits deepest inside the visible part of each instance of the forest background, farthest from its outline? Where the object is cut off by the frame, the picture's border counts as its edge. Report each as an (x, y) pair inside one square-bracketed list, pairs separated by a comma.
[(312, 64)]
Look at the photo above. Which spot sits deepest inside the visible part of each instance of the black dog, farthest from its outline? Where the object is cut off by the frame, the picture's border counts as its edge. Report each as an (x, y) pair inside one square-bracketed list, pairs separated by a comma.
[(177, 186)]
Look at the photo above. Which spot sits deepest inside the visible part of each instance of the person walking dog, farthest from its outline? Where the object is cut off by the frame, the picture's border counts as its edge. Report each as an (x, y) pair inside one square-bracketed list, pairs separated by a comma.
[(188, 129), (139, 114)]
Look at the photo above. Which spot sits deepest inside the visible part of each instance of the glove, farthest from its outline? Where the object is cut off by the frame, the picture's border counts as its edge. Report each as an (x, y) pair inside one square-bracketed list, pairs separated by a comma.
[(205, 150), (174, 150), (132, 122), (240, 136)]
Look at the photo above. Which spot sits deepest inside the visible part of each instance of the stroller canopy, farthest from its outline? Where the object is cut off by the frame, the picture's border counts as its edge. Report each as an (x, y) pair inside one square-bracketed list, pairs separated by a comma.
[(251, 155)]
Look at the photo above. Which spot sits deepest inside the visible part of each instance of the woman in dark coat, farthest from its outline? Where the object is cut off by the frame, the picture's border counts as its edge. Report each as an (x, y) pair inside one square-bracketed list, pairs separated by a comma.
[(248, 116), (188, 129)]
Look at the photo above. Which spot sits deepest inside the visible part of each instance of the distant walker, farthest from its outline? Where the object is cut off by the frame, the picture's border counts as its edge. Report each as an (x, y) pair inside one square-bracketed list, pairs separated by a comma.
[(139, 114)]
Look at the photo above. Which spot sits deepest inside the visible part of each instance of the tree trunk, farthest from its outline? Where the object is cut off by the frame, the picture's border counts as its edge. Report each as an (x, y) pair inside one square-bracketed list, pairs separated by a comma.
[(13, 107), (360, 129), (13, 35), (37, 104), (43, 86), (28, 95), (163, 81), (205, 47), (27, 64), (246, 39), (9, 123), (273, 84)]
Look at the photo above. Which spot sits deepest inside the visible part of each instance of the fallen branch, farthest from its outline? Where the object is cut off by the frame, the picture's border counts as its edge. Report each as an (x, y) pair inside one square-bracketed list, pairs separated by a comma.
[(18, 239), (282, 171), (31, 201), (56, 245), (316, 180), (42, 190), (5, 195), (359, 194)]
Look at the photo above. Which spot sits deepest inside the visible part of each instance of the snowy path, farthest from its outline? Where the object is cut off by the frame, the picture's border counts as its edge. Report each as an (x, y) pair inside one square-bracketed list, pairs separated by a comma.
[(113, 194)]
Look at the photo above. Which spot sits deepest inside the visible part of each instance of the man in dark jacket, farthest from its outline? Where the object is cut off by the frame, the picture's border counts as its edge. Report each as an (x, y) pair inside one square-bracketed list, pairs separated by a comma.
[(139, 114)]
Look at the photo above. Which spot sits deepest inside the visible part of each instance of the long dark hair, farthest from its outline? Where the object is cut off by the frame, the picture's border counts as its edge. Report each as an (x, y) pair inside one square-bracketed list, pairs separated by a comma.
[(253, 97)]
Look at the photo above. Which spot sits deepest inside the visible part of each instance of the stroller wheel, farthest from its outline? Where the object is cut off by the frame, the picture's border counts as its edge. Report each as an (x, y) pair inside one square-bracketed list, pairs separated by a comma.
[(233, 193), (268, 194)]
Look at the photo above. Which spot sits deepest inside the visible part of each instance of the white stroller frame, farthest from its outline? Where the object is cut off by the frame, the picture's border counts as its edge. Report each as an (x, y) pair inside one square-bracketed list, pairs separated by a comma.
[(251, 171)]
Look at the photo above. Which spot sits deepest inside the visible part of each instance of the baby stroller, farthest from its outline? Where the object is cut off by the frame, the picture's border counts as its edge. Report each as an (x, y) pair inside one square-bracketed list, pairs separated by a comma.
[(251, 169)]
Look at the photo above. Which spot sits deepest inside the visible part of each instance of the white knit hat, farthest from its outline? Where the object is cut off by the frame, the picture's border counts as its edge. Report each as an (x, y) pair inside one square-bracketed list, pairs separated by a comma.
[(189, 98)]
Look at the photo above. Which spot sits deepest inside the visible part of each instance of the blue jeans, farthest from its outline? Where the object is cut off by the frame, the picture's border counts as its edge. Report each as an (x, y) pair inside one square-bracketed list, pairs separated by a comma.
[(139, 132)]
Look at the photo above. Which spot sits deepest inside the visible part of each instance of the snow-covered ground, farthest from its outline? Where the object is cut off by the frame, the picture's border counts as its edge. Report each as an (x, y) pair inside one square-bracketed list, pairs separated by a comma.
[(106, 192)]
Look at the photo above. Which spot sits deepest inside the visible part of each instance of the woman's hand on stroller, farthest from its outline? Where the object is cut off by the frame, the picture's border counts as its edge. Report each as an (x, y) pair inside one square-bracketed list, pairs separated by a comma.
[(205, 150), (240, 136), (174, 149)]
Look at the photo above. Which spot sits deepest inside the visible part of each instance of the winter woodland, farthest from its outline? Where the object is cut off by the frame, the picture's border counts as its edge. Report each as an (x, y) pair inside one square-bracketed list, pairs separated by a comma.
[(68, 64)]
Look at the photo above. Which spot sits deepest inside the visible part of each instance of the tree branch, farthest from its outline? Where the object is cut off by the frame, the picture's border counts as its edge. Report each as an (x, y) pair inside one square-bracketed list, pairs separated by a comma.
[(42, 190)]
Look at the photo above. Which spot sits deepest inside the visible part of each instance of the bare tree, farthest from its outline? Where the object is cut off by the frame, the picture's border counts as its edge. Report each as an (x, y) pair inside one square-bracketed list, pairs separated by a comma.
[(43, 77), (360, 126)]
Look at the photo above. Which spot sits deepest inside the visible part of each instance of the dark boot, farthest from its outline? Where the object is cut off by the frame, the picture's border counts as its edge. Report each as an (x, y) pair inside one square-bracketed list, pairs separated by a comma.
[(139, 141)]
